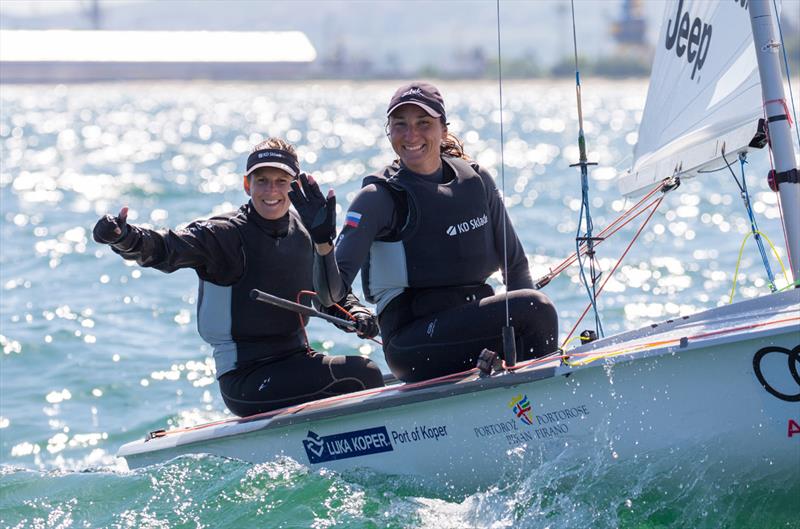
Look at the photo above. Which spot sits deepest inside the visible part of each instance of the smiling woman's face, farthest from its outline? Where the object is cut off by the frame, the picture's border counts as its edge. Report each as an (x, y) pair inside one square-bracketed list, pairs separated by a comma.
[(416, 137), (269, 188)]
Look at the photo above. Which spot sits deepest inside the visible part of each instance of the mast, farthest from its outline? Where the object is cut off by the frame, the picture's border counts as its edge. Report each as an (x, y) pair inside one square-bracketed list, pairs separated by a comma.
[(786, 174)]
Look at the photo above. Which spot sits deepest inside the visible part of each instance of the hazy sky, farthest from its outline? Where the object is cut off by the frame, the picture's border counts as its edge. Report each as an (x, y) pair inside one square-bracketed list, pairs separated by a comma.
[(403, 32), (41, 7), (406, 33)]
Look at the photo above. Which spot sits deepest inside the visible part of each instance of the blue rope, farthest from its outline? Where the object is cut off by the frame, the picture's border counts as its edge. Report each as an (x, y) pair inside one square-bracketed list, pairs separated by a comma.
[(753, 224), (591, 290)]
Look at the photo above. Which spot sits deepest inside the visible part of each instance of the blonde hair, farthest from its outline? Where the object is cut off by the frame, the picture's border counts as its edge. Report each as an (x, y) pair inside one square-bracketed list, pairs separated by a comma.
[(275, 143)]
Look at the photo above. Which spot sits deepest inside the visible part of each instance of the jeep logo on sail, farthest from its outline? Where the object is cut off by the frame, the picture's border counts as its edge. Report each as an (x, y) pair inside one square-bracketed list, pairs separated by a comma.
[(697, 33)]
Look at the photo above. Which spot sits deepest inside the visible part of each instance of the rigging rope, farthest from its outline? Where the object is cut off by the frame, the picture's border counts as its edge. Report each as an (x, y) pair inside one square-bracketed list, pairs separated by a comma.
[(653, 209), (617, 224), (593, 356), (509, 341), (502, 158), (587, 238), (753, 225), (739, 260), (585, 244)]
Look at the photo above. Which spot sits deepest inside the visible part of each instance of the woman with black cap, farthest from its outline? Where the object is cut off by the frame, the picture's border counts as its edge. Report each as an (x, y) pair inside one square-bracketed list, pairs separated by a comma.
[(427, 232), (261, 352)]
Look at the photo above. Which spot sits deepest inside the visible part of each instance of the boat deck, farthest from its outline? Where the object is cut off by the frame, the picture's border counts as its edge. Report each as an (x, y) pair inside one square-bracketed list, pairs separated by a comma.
[(754, 317)]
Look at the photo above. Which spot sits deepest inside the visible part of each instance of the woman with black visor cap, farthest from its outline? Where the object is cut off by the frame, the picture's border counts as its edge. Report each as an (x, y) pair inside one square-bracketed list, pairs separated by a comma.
[(426, 232), (262, 356)]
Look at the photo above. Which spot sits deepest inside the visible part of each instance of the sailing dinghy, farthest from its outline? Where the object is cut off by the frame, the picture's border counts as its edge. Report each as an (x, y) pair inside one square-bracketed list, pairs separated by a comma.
[(721, 383)]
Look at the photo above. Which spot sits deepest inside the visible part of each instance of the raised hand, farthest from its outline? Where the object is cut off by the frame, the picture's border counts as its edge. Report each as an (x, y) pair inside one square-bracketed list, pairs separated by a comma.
[(110, 230), (317, 212)]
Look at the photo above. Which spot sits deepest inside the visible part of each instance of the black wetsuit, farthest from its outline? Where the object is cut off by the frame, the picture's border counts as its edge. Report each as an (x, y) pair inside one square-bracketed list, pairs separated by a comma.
[(425, 245), (261, 353)]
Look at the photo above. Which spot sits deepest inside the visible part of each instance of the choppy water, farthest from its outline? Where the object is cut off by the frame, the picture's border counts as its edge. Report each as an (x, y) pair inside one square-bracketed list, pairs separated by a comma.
[(96, 352)]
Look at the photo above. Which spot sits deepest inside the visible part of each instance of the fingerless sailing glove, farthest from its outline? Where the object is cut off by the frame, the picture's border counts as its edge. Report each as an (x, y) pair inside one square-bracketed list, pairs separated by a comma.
[(317, 212), (110, 230)]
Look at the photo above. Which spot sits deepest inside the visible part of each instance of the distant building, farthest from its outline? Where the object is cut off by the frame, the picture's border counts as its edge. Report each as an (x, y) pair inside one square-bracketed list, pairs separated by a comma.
[(467, 63), (633, 54), (339, 63), (81, 56), (630, 28)]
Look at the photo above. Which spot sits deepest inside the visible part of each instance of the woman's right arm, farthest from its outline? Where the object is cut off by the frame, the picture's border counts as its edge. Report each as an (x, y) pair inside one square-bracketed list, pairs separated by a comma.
[(202, 245), (370, 215)]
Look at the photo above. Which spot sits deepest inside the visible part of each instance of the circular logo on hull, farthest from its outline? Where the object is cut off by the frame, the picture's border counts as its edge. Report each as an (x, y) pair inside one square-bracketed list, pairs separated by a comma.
[(773, 379)]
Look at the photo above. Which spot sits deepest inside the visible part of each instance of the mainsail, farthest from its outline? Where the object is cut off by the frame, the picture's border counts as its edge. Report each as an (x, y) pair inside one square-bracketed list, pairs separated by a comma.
[(704, 97)]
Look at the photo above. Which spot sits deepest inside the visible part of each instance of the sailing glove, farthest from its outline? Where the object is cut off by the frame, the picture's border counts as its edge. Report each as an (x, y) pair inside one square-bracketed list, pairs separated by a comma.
[(317, 212), (111, 230), (366, 325)]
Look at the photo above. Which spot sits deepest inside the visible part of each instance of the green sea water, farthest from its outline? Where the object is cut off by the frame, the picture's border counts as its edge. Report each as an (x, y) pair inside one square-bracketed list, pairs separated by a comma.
[(96, 352)]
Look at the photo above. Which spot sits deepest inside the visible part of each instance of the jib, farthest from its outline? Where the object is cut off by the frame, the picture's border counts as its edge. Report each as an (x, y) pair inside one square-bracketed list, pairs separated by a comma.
[(697, 33)]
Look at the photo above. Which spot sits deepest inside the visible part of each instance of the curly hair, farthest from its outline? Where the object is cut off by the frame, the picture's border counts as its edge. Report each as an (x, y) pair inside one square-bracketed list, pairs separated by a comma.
[(453, 146)]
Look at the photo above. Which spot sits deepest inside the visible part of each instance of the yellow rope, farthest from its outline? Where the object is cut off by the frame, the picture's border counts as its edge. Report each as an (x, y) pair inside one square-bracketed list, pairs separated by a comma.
[(739, 261), (565, 344), (790, 285), (587, 358), (601, 356)]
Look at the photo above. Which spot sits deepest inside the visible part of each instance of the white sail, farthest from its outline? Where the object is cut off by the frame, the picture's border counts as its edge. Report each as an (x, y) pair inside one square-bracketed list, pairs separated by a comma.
[(704, 95)]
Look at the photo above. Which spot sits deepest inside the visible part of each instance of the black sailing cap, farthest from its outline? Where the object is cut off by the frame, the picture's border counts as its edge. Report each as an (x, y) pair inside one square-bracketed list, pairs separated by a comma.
[(278, 158), (424, 95)]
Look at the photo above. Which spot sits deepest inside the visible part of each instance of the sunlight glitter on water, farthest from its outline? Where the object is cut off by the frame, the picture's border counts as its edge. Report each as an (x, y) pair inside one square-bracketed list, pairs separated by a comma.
[(97, 351)]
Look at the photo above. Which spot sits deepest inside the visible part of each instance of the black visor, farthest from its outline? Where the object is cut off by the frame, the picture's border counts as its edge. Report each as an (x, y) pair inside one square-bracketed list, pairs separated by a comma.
[(277, 158)]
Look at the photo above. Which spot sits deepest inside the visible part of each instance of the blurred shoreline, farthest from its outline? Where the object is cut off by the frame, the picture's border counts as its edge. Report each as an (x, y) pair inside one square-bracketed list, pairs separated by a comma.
[(318, 80), (393, 81), (51, 72)]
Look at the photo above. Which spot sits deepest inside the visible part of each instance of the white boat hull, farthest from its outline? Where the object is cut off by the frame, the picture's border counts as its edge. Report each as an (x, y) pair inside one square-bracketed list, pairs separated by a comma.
[(691, 385)]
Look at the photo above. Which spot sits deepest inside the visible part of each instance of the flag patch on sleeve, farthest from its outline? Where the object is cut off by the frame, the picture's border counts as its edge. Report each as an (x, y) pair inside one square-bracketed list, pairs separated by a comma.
[(352, 219)]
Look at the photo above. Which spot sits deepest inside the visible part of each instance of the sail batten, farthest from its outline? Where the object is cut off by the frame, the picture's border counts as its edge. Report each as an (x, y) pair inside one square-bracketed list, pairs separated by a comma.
[(704, 95)]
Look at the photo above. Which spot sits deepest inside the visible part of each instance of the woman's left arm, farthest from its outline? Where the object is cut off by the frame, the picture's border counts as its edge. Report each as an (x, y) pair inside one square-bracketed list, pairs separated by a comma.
[(519, 275)]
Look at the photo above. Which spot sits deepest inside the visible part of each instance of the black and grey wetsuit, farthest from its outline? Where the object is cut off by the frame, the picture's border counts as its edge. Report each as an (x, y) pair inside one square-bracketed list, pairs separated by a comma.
[(425, 245), (260, 350)]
